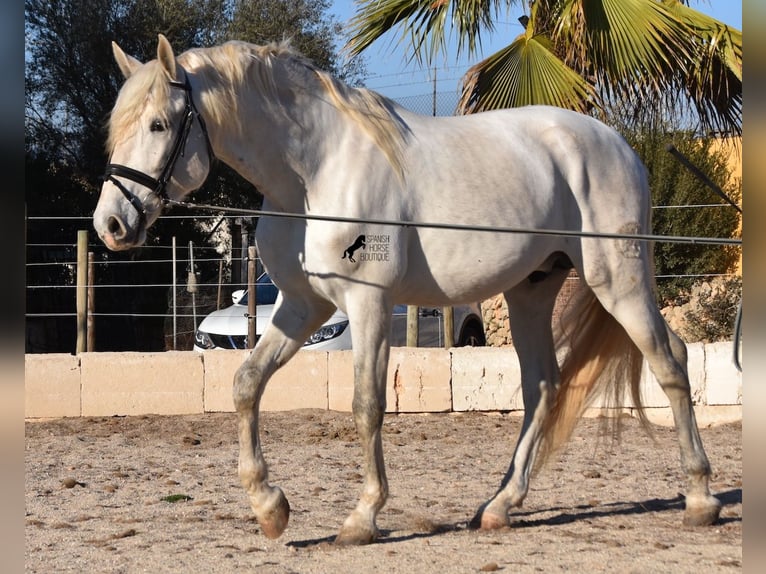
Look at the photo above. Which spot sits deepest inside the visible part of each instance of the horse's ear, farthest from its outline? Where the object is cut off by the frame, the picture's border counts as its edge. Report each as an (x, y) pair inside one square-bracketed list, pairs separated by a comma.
[(127, 64), (166, 58)]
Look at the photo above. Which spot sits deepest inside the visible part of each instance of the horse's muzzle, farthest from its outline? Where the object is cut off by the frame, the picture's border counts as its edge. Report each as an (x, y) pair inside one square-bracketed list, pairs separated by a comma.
[(116, 234)]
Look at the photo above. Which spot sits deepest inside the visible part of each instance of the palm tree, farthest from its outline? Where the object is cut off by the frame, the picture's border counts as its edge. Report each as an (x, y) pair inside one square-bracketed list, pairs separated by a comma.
[(586, 55)]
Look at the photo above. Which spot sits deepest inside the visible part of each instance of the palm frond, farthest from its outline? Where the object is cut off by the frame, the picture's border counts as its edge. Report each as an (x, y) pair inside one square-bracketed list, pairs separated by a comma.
[(426, 23), (715, 37), (526, 72), (631, 42), (639, 49), (714, 82), (470, 18), (417, 18)]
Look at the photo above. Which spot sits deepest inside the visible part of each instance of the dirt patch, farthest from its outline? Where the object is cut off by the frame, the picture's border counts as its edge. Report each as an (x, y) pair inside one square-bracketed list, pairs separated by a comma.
[(161, 494)]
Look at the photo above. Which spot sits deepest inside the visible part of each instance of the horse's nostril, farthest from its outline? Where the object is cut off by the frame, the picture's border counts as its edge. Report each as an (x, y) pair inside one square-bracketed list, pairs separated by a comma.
[(116, 227)]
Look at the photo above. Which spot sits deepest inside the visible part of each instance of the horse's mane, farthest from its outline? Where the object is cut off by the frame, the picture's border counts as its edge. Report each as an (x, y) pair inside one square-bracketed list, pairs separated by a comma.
[(224, 69), (147, 82)]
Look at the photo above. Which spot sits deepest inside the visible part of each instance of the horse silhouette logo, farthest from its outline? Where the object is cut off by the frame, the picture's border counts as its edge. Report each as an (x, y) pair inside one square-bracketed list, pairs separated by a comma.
[(351, 249)]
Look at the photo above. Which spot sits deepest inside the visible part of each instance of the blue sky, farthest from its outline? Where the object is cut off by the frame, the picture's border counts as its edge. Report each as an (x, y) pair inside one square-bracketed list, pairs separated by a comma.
[(391, 75)]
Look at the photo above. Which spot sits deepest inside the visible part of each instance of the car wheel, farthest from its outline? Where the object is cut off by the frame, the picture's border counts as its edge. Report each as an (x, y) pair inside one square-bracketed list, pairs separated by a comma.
[(472, 336)]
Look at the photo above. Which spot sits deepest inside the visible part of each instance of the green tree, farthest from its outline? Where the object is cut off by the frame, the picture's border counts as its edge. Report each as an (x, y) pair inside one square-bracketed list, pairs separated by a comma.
[(578, 54), (676, 191), (650, 131), (304, 21)]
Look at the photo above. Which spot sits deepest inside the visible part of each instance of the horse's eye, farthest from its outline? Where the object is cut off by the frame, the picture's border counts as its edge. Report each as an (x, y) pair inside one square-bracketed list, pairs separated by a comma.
[(157, 126)]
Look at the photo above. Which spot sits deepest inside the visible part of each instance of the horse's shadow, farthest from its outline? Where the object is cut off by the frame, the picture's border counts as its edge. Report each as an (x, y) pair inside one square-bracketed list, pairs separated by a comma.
[(564, 515)]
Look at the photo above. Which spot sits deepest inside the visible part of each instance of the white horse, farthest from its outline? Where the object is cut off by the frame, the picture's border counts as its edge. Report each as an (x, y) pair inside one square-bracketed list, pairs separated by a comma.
[(313, 145)]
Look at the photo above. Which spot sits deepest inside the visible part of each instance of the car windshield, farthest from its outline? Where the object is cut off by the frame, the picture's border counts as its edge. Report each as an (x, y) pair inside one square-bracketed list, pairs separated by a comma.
[(266, 292)]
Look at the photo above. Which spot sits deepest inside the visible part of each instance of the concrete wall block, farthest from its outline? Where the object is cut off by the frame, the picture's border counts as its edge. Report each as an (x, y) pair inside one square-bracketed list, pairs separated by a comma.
[(299, 384), (651, 392), (485, 379), (696, 368), (340, 386), (168, 383), (419, 379), (220, 366), (724, 381), (51, 385), (706, 415)]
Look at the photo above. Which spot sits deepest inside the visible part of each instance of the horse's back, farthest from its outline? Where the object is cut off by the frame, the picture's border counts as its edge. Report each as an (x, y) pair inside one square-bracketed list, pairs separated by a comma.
[(542, 156), (527, 168)]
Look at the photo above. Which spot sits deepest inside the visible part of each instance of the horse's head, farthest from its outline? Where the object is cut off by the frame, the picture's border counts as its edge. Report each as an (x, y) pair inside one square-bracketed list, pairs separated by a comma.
[(158, 146)]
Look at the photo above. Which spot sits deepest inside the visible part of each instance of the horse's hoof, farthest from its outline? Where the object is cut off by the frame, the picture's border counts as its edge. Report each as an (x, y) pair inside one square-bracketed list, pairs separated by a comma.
[(702, 513), (491, 521), (488, 520), (273, 519), (356, 536)]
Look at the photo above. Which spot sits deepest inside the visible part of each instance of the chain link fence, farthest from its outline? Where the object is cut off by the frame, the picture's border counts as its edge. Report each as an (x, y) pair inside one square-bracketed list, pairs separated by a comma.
[(438, 104)]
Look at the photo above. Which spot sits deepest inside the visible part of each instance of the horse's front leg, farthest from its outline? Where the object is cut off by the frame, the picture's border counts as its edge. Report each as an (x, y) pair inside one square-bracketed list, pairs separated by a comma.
[(292, 323), (370, 330)]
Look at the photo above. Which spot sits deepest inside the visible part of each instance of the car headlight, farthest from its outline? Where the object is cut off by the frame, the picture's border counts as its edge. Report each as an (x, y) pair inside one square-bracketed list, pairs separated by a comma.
[(203, 340), (327, 332)]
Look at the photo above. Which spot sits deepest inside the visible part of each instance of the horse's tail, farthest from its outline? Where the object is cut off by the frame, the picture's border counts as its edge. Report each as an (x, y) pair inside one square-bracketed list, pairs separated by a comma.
[(599, 360)]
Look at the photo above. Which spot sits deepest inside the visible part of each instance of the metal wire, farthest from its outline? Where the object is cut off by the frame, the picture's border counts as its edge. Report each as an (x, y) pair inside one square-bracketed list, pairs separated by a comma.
[(461, 227)]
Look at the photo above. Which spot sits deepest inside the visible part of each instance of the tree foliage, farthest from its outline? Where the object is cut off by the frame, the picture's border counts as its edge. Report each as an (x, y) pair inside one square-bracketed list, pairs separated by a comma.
[(71, 79)]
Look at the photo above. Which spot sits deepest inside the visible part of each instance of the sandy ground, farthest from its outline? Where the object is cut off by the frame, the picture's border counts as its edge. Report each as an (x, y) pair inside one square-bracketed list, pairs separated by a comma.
[(161, 494)]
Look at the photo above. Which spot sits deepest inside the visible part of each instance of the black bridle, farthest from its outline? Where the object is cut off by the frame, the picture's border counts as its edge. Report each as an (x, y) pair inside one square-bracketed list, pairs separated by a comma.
[(158, 186)]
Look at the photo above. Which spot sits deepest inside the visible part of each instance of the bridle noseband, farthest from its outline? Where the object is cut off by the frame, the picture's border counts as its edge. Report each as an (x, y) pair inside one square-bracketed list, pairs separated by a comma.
[(158, 186)]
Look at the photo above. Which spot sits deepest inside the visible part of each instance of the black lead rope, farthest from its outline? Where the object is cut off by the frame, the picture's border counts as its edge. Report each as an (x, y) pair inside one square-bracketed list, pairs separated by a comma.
[(701, 176), (737, 336)]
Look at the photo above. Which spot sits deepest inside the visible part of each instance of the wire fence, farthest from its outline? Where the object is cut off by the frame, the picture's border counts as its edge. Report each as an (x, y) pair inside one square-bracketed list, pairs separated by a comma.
[(150, 299), (144, 299)]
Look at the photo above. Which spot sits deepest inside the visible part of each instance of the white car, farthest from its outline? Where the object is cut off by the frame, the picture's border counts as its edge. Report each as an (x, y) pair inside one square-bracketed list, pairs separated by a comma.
[(227, 327)]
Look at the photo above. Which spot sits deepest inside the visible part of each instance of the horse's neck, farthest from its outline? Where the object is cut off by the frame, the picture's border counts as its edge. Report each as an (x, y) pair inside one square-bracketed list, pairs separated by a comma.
[(279, 152)]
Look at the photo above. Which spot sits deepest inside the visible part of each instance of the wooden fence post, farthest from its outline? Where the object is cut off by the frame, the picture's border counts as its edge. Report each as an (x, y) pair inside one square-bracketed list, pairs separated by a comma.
[(91, 324), (191, 285), (220, 284), (412, 325), (449, 327), (82, 290), (175, 302), (251, 297)]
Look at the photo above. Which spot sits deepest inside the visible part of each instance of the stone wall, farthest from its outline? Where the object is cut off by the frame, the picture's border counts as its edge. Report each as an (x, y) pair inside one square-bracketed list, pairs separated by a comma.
[(419, 380), (495, 313)]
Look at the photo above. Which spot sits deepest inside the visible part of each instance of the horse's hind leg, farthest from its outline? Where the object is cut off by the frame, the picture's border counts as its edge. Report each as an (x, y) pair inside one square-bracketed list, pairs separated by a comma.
[(293, 321), (530, 309), (702, 508), (636, 310)]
